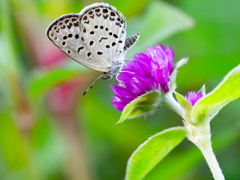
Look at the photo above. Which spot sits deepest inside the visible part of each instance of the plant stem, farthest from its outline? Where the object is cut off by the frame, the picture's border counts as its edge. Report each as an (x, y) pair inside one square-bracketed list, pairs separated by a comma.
[(172, 104), (200, 135), (212, 162)]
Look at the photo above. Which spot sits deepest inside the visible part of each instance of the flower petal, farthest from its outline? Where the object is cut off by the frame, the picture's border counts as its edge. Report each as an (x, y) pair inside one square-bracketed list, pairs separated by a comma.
[(193, 97), (148, 71), (120, 91)]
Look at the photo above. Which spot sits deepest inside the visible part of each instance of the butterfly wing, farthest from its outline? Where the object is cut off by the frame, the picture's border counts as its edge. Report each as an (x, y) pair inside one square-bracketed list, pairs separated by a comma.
[(129, 43), (65, 33), (104, 28)]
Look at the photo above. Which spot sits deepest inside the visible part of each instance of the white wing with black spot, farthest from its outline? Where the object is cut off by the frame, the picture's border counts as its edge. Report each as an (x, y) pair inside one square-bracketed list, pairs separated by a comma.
[(94, 38), (104, 28), (65, 33)]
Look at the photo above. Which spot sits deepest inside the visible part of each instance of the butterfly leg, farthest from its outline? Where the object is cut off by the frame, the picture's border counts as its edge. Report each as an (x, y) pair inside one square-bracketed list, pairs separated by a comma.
[(118, 80), (127, 72), (92, 84), (118, 74), (129, 60)]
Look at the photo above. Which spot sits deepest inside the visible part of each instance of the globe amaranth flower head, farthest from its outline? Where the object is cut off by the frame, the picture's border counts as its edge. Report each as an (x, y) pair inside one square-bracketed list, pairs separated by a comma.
[(148, 71), (193, 97)]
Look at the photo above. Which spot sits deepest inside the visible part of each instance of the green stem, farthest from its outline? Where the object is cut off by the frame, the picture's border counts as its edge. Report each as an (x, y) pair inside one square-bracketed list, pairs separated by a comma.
[(212, 162), (200, 135), (172, 104)]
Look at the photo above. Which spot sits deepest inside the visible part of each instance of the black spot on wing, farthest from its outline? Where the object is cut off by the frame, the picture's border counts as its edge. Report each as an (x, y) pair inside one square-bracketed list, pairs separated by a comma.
[(130, 41)]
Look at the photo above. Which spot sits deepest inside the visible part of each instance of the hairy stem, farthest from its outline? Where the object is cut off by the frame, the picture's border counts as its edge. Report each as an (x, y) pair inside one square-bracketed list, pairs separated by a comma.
[(200, 135), (172, 104), (212, 162)]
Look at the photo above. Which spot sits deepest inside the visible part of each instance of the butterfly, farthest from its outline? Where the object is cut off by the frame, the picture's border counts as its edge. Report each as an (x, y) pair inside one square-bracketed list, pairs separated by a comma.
[(95, 38)]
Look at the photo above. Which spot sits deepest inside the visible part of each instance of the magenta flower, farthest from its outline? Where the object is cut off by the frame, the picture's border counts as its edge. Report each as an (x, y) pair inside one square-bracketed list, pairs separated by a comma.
[(148, 71), (193, 97)]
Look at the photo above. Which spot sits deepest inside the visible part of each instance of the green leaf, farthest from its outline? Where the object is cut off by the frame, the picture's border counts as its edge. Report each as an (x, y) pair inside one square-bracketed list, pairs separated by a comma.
[(9, 50), (43, 80), (191, 158), (203, 90), (174, 73), (160, 21), (227, 91), (141, 105), (47, 142), (186, 106), (48, 80), (152, 151), (11, 140)]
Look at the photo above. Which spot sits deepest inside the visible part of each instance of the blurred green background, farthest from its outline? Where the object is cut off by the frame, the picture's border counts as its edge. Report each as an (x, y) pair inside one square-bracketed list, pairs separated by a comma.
[(48, 131)]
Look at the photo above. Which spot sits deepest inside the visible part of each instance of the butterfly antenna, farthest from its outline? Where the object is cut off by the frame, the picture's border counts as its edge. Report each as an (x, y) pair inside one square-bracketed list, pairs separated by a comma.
[(92, 84)]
